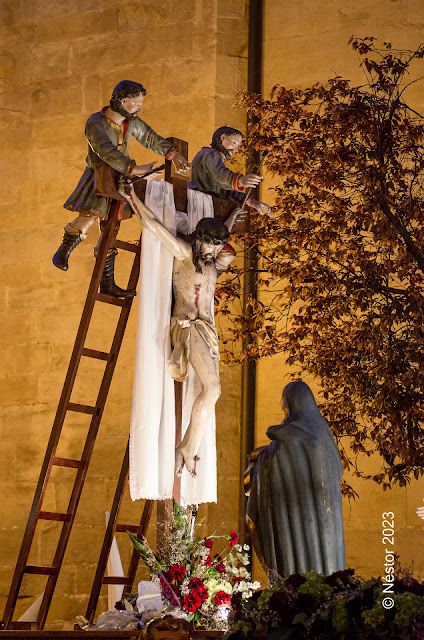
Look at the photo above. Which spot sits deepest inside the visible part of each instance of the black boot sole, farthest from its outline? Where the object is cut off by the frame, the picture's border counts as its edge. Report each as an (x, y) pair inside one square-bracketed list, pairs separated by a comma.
[(118, 294)]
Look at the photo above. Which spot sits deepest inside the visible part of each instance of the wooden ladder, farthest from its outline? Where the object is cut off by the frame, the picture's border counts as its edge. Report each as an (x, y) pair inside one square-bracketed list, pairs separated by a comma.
[(80, 465)]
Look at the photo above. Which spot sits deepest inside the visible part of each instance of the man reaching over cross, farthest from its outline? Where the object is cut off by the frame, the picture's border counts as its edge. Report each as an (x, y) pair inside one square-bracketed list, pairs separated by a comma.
[(209, 173), (108, 134), (193, 333)]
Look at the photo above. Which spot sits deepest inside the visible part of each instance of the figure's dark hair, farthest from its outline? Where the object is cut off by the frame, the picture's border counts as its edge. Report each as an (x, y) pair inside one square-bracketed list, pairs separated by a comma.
[(223, 131), (125, 89), (210, 230)]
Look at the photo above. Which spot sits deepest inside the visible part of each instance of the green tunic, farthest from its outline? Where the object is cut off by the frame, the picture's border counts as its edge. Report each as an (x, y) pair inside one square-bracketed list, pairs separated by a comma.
[(209, 174), (107, 146)]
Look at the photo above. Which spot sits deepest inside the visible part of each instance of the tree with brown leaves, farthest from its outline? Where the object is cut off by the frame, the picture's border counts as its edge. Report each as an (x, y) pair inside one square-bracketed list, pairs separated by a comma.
[(341, 275)]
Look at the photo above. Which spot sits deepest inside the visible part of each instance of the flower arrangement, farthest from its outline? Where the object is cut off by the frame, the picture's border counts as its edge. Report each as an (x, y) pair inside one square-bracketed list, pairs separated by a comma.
[(335, 607), (194, 579)]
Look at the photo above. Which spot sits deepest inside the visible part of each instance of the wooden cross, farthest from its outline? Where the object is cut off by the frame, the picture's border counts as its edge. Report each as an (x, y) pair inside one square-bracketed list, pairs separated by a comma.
[(107, 184)]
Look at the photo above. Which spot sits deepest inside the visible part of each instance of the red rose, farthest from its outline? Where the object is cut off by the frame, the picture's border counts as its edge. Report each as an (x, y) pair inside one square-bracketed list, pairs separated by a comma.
[(233, 539), (222, 599), (202, 593), (207, 561), (196, 583), (192, 601), (208, 543), (177, 572), (197, 586), (220, 567)]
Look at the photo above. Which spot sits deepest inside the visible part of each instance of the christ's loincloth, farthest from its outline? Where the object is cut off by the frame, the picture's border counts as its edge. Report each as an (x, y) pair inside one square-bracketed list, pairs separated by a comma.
[(181, 329)]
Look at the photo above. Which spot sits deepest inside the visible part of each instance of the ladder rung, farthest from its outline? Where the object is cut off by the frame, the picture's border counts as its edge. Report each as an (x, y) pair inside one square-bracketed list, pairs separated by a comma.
[(15, 625), (133, 528), (100, 355), (67, 462), (51, 515), (119, 302), (117, 580), (83, 408), (127, 246), (43, 571)]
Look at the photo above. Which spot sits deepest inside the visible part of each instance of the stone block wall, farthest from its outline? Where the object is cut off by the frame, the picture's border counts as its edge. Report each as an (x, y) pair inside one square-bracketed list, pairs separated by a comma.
[(58, 63)]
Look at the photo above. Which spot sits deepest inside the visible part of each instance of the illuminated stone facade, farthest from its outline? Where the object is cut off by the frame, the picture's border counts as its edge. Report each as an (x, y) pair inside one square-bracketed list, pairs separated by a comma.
[(58, 64)]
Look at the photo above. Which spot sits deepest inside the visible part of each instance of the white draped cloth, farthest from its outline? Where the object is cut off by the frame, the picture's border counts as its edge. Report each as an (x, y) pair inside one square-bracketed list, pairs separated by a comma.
[(114, 568), (152, 433)]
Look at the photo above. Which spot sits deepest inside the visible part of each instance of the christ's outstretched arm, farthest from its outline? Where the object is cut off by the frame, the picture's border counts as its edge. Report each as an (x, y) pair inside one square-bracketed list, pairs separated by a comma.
[(178, 248)]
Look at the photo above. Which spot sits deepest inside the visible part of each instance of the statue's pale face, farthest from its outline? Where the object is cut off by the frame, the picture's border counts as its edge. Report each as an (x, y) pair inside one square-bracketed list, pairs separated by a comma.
[(209, 251), (133, 105), (231, 143)]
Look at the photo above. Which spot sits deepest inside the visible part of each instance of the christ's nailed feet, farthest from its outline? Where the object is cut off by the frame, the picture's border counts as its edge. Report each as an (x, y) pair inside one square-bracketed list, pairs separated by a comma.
[(190, 462)]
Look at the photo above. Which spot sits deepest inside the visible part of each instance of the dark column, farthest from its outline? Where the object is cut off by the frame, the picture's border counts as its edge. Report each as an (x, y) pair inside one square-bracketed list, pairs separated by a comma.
[(248, 395)]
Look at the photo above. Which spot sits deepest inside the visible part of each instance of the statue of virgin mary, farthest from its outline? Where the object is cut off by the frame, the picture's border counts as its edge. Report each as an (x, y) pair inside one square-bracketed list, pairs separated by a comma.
[(294, 510)]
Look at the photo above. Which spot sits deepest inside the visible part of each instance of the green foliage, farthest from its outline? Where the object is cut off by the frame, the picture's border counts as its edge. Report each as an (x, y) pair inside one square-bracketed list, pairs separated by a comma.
[(263, 598), (342, 261), (340, 620), (152, 562), (315, 585), (409, 606), (374, 618), (337, 607)]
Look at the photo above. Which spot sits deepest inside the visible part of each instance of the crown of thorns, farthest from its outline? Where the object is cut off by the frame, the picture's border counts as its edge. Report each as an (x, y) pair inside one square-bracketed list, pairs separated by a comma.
[(212, 231)]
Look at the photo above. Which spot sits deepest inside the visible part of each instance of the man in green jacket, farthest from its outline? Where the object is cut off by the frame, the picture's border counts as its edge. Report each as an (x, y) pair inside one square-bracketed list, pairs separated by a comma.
[(209, 173), (108, 133)]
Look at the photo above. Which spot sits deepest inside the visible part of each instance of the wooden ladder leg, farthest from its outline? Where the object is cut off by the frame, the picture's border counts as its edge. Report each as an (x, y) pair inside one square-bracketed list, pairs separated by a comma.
[(111, 529), (141, 529), (135, 558), (107, 541)]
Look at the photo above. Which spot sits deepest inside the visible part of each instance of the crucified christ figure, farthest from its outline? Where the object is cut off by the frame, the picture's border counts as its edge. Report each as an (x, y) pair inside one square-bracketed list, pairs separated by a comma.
[(193, 333)]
